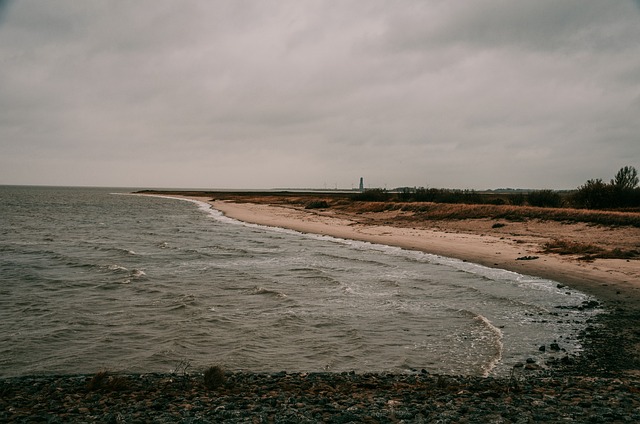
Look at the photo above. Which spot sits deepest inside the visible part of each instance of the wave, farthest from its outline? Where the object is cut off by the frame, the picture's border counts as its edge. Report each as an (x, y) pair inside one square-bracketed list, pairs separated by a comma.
[(117, 268), (119, 250), (257, 290), (496, 342), (351, 259)]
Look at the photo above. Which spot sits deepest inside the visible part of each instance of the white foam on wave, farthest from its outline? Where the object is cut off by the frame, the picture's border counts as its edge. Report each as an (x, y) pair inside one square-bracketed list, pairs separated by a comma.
[(138, 273), (498, 345), (116, 267), (257, 290), (496, 340)]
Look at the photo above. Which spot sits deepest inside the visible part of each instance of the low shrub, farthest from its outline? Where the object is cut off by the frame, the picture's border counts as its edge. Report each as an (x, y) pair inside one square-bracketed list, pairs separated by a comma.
[(564, 247), (372, 195), (214, 377), (98, 381), (544, 199), (102, 381), (517, 199), (317, 204), (589, 252)]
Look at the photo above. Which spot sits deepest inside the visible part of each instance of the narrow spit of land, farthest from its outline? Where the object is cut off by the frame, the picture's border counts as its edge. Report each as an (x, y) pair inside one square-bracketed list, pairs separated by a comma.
[(600, 385)]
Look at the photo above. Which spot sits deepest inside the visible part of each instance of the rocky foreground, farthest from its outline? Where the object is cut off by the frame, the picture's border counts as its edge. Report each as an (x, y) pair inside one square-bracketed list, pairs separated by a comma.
[(319, 397)]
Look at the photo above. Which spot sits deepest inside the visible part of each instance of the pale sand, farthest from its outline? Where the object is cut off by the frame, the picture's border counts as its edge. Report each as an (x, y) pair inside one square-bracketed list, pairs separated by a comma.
[(611, 280)]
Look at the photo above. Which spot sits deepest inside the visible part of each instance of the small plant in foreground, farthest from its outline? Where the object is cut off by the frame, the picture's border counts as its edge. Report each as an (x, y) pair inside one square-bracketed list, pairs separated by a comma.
[(214, 377), (104, 382), (181, 367), (98, 381)]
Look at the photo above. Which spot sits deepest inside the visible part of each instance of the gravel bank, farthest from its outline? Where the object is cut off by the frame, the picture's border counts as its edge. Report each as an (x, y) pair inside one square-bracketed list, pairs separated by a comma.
[(320, 397)]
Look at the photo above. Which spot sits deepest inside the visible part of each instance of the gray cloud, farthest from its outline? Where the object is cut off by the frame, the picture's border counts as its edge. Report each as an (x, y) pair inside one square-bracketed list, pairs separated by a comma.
[(271, 94)]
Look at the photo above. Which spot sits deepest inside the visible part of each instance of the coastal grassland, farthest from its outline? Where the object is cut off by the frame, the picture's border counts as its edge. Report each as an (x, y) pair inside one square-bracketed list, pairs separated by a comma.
[(345, 202), (445, 211)]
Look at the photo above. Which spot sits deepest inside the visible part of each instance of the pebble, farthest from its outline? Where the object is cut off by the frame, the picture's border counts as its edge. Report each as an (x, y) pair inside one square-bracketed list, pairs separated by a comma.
[(322, 397)]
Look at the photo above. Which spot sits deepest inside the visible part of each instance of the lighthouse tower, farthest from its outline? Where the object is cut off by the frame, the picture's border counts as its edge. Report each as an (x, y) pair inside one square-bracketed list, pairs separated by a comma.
[(361, 184)]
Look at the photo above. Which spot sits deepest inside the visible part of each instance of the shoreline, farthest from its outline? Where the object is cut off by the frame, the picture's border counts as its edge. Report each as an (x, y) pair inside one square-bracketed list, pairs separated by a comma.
[(611, 343)]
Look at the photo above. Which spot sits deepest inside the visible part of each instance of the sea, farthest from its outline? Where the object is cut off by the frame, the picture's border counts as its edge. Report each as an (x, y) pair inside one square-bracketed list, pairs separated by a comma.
[(100, 278)]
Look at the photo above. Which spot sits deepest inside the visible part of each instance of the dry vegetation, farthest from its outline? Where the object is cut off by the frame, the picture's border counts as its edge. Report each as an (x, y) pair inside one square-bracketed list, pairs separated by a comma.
[(588, 252), (439, 211), (444, 211), (103, 381)]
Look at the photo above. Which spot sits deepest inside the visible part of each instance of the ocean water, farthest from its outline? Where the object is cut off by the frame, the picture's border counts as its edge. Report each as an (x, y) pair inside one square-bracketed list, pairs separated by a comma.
[(97, 278)]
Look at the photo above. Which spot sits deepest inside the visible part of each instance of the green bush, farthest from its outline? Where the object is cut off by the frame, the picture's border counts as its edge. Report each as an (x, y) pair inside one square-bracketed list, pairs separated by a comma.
[(544, 199)]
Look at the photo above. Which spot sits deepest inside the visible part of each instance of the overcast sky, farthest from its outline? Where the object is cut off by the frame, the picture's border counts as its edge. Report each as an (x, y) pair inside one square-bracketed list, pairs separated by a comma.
[(264, 94)]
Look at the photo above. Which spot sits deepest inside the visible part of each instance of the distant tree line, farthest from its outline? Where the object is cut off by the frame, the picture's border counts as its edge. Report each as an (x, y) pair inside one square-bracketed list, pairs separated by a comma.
[(621, 192)]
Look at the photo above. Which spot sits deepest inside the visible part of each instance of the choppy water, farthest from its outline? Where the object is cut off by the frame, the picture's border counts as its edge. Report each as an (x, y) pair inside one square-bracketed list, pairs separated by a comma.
[(91, 279)]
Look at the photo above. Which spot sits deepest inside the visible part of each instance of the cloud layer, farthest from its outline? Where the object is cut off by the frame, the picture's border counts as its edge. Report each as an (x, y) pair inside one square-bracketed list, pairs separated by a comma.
[(263, 94)]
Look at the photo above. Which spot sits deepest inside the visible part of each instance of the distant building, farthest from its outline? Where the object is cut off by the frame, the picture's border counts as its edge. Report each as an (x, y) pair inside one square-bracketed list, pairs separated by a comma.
[(361, 184)]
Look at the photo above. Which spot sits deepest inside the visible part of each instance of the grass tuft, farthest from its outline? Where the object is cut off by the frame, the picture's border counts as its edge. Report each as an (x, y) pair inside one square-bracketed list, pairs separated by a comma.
[(589, 252), (102, 381), (214, 377), (565, 247)]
